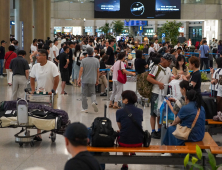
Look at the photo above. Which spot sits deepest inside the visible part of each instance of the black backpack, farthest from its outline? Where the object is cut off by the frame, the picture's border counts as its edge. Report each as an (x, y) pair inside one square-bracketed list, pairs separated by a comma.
[(103, 134)]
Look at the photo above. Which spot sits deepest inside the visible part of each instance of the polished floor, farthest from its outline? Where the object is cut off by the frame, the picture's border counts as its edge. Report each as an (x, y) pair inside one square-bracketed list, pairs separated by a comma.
[(53, 156)]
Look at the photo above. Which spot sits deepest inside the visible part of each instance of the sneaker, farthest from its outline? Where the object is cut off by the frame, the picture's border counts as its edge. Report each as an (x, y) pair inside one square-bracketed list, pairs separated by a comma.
[(84, 111), (166, 154), (124, 167), (69, 84), (94, 105), (155, 135), (159, 134), (103, 94)]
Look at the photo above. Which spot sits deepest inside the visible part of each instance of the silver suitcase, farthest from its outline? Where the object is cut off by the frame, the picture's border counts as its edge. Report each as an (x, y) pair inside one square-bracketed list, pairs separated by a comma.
[(22, 113)]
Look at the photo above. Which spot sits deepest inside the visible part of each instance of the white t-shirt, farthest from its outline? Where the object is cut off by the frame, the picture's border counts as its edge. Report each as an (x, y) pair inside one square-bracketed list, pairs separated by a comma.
[(163, 77), (51, 55), (151, 49), (156, 46), (45, 75), (63, 40), (33, 48), (55, 48), (176, 46)]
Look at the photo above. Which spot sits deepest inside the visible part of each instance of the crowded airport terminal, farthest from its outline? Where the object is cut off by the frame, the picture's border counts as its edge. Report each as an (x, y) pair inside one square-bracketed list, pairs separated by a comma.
[(110, 85)]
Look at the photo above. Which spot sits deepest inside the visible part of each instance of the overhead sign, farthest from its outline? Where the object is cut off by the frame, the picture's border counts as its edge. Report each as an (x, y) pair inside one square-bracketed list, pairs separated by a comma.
[(163, 35), (135, 23), (140, 28), (12, 22)]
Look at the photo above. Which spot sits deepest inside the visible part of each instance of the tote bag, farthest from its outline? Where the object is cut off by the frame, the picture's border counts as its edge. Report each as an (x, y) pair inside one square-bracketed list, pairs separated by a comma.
[(121, 76)]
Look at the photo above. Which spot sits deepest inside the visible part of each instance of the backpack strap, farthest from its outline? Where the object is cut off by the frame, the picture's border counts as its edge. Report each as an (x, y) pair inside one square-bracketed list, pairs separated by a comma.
[(159, 70)]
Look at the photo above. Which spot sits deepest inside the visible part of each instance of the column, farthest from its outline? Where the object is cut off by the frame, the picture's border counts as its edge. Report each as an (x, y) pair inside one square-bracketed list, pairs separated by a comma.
[(5, 21), (186, 30), (25, 8), (39, 19), (48, 17), (155, 25), (13, 29)]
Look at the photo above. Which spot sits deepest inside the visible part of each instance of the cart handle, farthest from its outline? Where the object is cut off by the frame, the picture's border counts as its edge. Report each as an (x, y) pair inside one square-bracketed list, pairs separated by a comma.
[(27, 90)]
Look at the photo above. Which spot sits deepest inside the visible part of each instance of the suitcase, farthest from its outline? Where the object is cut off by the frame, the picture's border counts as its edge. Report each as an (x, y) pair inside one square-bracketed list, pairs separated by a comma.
[(165, 126), (22, 113)]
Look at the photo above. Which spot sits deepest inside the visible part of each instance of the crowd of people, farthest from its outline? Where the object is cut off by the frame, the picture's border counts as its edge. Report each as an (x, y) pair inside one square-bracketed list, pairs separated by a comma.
[(82, 62)]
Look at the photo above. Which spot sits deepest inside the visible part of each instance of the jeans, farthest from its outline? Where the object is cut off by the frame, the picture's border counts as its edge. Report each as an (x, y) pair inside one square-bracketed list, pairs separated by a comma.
[(1, 66), (205, 61)]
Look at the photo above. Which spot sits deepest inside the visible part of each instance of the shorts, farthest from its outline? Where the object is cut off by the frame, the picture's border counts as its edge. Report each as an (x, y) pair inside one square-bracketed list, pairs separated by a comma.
[(154, 97), (65, 76)]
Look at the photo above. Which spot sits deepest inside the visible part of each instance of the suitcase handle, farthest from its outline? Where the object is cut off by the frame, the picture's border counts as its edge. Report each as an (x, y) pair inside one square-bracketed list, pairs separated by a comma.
[(105, 107), (22, 100)]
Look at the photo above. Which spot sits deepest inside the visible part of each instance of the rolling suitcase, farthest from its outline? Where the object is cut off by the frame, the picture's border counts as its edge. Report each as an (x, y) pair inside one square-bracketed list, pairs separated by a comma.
[(22, 113)]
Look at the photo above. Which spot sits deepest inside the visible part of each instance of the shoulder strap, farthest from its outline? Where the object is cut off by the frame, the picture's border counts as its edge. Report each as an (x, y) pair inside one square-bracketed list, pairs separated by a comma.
[(217, 73), (9, 56), (159, 70), (88, 163), (195, 120), (130, 115)]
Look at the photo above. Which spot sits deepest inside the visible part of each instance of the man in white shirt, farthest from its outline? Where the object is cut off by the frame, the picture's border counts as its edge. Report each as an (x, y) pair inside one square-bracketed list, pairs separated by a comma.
[(55, 49), (156, 45), (151, 49), (47, 76), (178, 45), (63, 40)]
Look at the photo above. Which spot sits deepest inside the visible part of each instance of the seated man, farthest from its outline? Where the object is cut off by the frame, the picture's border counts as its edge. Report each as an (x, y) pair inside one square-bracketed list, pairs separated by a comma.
[(76, 143)]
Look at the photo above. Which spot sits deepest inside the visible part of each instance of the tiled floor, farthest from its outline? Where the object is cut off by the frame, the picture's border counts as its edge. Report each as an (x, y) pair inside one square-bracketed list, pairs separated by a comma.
[(54, 156)]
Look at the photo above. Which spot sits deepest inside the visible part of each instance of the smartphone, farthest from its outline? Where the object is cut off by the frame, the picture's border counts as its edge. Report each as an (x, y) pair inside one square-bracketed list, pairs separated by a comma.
[(166, 98)]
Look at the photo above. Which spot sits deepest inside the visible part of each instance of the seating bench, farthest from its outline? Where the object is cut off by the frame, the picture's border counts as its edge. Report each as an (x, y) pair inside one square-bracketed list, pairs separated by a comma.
[(206, 143), (213, 122)]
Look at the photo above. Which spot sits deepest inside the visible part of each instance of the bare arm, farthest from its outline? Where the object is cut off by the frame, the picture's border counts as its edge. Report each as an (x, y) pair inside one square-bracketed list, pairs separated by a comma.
[(32, 82), (56, 82), (193, 83), (127, 72), (27, 74), (171, 107), (199, 53), (32, 55), (54, 54), (119, 125), (97, 80), (176, 121)]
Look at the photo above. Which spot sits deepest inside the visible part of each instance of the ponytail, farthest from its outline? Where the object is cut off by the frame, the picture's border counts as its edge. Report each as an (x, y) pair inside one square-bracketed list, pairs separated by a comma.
[(195, 96)]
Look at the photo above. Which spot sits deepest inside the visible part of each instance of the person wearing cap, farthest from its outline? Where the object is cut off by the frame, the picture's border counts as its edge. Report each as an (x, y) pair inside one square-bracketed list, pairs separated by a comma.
[(2, 55), (76, 140), (159, 76), (89, 72)]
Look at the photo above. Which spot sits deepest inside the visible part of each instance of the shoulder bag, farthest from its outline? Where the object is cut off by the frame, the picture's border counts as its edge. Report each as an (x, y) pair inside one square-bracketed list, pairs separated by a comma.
[(121, 76), (183, 132), (78, 60), (206, 54), (146, 134)]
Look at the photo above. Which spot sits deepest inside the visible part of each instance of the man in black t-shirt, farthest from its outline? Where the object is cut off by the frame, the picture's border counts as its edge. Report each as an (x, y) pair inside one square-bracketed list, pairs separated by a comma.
[(2, 55), (63, 67), (76, 140), (110, 52)]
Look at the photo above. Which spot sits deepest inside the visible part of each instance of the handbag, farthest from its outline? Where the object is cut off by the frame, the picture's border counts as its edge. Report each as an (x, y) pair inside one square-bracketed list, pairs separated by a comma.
[(78, 60), (146, 134), (183, 132), (121, 76), (206, 54)]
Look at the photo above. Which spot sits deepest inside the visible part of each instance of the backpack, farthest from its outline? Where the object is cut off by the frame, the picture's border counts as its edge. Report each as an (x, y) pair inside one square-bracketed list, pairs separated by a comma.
[(102, 134), (144, 87)]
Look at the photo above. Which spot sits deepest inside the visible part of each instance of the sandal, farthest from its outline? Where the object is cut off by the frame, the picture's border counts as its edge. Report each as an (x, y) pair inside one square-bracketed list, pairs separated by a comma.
[(110, 105), (116, 107)]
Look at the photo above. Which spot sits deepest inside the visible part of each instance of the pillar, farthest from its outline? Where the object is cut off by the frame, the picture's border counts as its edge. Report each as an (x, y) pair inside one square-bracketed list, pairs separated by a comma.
[(39, 19), (48, 17), (186, 30), (25, 8), (13, 29), (5, 21)]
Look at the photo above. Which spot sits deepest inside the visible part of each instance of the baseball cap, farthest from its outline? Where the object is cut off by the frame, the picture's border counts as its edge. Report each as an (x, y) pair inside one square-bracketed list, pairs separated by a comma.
[(3, 41), (75, 131), (168, 56)]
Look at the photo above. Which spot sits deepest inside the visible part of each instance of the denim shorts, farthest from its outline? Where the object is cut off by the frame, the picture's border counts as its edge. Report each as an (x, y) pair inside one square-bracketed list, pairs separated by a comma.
[(154, 97)]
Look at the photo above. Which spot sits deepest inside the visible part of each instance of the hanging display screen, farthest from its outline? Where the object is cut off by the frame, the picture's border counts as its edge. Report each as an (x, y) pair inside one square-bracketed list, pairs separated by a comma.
[(143, 9)]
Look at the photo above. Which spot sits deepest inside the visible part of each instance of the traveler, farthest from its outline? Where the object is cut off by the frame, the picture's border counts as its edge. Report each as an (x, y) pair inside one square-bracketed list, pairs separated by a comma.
[(220, 47), (2, 55), (7, 60), (33, 55), (34, 49), (186, 117), (110, 52), (214, 48), (129, 134), (180, 69), (63, 59), (174, 54), (178, 45), (61, 49), (76, 64), (203, 50), (71, 45), (76, 141), (156, 45), (160, 82), (17, 48), (151, 49), (89, 72), (20, 68), (195, 77), (55, 48), (47, 76), (106, 46), (117, 86), (140, 63), (217, 80), (102, 76)]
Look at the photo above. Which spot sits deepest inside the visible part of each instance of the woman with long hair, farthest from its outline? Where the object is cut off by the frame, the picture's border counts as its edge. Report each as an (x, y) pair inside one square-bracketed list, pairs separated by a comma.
[(76, 64), (180, 69)]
